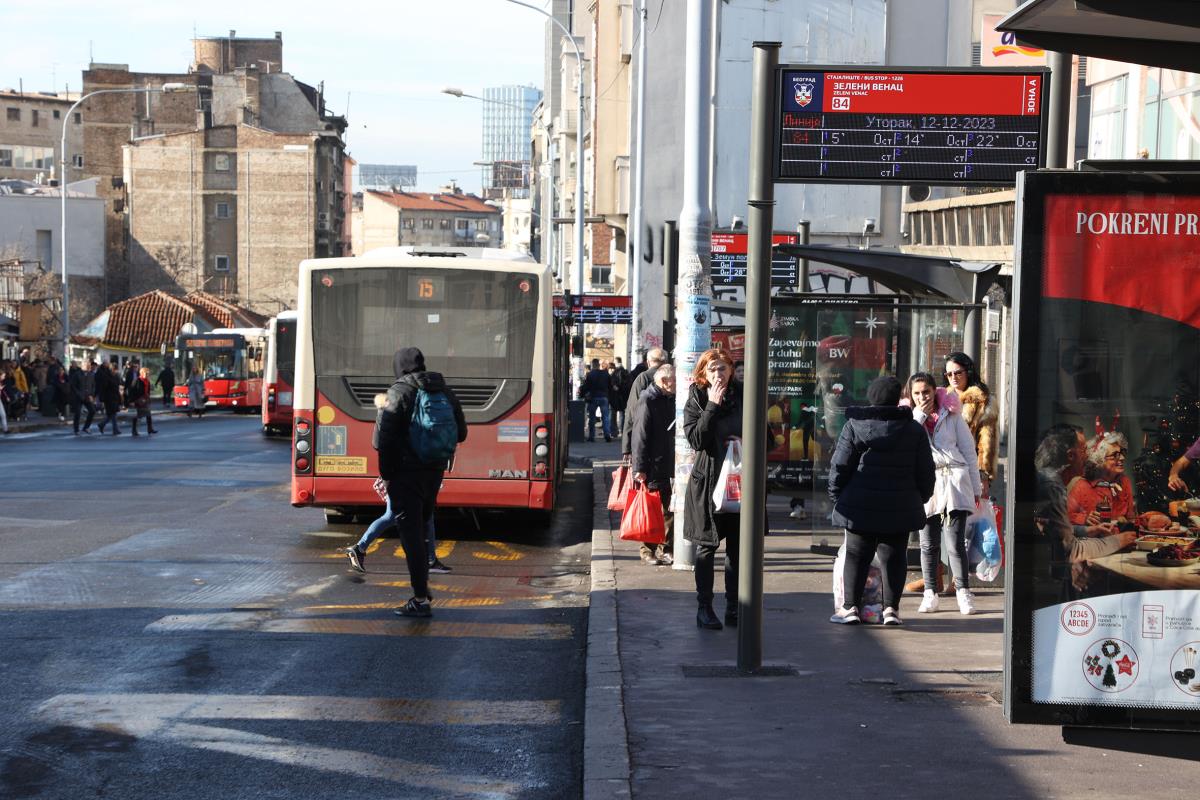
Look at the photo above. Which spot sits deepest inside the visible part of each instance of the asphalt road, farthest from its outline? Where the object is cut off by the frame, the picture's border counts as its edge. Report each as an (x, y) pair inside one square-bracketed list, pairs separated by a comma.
[(171, 627)]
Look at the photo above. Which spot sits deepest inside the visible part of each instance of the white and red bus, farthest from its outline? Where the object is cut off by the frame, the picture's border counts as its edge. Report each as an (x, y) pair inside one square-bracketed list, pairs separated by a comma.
[(231, 361), (279, 373), (484, 319)]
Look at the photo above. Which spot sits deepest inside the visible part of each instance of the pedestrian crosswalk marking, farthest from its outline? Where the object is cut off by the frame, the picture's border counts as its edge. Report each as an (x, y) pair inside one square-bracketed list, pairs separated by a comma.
[(267, 622), (165, 718)]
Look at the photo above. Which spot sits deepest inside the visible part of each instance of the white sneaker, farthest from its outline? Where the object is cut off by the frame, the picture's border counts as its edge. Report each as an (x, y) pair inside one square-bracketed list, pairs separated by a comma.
[(891, 616), (845, 616), (929, 602), (798, 513), (966, 601)]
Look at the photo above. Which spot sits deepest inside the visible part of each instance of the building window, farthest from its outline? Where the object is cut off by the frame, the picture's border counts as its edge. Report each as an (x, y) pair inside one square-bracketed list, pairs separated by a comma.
[(34, 117), (409, 223), (221, 263), (77, 160), (26, 157), (6, 157), (601, 276), (460, 224), (444, 224), (1108, 119), (221, 162), (222, 210), (78, 117), (14, 115), (427, 224), (57, 114)]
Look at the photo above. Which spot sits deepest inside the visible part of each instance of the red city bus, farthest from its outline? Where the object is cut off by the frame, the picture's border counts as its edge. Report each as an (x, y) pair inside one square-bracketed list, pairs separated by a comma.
[(279, 374), (484, 319), (230, 359)]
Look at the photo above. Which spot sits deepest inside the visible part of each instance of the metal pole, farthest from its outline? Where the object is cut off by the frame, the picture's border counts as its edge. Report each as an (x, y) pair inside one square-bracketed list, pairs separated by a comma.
[(694, 293), (759, 219), (578, 157), (670, 251), (636, 340), (802, 228), (1059, 124)]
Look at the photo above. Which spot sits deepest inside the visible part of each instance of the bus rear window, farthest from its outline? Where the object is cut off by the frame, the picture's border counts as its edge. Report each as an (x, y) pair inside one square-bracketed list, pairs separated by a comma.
[(467, 323)]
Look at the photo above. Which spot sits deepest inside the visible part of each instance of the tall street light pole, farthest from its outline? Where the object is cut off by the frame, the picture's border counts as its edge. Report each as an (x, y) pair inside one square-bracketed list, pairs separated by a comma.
[(456, 92), (167, 88), (578, 157), (638, 222)]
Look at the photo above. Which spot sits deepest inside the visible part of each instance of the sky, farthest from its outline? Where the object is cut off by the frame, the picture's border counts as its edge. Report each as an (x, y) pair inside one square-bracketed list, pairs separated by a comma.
[(384, 64)]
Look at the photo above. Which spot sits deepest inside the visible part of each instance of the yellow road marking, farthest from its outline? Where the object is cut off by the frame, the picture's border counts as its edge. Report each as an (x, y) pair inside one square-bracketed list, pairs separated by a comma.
[(443, 549), (452, 602), (506, 553)]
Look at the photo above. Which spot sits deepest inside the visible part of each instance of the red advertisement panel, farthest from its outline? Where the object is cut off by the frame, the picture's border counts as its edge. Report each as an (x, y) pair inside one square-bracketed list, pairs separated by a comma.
[(1121, 250)]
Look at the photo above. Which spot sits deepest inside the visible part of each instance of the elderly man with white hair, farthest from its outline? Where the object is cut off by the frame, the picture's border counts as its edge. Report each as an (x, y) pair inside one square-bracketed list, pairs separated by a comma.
[(653, 450), (655, 357)]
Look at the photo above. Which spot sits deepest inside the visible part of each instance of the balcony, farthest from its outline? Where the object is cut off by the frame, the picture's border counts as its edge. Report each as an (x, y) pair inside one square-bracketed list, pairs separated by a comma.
[(976, 227)]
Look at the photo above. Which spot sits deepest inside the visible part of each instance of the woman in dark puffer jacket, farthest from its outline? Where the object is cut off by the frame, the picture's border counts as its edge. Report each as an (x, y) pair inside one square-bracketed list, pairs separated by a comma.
[(880, 477)]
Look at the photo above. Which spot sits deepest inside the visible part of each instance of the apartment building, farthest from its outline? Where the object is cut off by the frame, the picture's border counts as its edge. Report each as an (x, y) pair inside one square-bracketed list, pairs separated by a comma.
[(31, 127), (448, 218), (224, 188)]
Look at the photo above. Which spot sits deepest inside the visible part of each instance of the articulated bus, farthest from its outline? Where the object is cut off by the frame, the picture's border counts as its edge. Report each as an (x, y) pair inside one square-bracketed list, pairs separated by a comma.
[(279, 373), (231, 361), (484, 319)]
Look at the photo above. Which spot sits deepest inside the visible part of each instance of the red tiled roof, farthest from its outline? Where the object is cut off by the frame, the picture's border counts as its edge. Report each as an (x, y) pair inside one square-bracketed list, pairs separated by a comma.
[(148, 320), (422, 201), (225, 313)]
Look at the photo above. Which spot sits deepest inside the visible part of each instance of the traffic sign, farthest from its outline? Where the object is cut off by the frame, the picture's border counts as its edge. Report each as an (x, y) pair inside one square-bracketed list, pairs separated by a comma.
[(729, 259)]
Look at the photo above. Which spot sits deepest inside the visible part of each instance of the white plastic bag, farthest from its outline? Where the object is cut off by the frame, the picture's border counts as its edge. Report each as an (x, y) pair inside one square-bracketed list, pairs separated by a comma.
[(727, 494), (986, 553), (872, 600)]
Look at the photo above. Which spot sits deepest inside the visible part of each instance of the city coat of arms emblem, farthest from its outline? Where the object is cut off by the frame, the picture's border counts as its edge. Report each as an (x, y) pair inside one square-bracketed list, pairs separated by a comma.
[(804, 94)]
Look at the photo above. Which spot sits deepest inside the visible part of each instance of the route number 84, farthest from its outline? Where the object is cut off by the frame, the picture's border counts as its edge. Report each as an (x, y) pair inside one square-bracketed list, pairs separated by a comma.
[(840, 103)]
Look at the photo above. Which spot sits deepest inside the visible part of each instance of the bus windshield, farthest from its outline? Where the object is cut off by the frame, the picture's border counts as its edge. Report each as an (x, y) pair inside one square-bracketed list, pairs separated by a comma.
[(285, 351), (221, 363), (468, 323)]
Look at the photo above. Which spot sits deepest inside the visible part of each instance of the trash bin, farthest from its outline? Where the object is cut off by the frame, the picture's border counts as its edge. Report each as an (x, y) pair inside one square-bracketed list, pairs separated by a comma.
[(576, 414)]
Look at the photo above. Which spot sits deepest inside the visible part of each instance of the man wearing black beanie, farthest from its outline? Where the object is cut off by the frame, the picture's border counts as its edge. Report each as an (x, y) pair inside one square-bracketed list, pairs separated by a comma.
[(880, 476)]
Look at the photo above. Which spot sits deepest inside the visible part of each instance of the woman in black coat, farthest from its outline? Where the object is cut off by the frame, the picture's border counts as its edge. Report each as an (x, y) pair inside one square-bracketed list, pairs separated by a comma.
[(712, 416), (880, 477)]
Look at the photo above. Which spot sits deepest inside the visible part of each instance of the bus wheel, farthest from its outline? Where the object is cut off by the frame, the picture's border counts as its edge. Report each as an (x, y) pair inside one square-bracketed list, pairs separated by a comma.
[(338, 516)]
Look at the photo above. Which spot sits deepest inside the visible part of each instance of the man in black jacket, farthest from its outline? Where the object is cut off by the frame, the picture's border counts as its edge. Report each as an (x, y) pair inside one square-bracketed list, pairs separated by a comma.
[(413, 484), (166, 379), (654, 451), (108, 390), (654, 357), (81, 386)]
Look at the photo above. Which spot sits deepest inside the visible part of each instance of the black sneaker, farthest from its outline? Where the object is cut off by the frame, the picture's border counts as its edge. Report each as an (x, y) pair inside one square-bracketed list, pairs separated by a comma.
[(437, 566), (415, 608), (357, 557)]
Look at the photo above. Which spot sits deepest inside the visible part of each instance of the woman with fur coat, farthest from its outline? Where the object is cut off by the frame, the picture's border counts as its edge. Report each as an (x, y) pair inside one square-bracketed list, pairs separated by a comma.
[(979, 411)]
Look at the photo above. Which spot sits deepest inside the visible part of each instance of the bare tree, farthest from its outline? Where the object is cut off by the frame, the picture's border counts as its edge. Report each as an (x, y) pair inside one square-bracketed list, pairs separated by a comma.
[(176, 263)]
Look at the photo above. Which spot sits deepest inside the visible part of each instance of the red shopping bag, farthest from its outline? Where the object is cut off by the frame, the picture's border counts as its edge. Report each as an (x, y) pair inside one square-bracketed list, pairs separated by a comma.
[(621, 485), (643, 518)]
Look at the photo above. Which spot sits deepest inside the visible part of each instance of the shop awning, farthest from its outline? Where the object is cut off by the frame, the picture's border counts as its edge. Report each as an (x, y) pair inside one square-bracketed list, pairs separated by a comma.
[(903, 273), (1157, 33)]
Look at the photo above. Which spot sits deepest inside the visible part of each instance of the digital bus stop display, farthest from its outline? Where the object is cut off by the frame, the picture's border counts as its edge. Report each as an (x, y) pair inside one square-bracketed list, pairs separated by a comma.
[(947, 127)]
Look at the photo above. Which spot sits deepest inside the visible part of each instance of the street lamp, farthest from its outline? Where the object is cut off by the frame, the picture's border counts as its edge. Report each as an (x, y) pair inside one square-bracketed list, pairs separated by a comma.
[(166, 88), (454, 91), (578, 154)]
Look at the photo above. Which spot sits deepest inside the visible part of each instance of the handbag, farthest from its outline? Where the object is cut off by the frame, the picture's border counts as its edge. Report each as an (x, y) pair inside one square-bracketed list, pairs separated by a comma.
[(622, 478), (643, 518), (727, 494)]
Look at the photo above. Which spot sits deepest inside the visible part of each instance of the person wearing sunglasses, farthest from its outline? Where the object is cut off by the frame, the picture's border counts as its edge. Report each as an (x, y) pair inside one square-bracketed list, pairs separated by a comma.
[(979, 411), (1104, 493)]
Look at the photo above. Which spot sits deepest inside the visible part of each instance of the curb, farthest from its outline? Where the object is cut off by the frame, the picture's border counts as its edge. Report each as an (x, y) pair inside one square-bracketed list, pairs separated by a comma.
[(605, 736)]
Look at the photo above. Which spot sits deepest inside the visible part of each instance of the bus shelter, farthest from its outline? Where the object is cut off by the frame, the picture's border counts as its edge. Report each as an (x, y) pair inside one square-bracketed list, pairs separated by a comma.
[(825, 349)]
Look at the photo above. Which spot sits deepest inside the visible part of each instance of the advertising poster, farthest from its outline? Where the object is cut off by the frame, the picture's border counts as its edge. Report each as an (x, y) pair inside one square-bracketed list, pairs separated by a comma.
[(1105, 539), (822, 353)]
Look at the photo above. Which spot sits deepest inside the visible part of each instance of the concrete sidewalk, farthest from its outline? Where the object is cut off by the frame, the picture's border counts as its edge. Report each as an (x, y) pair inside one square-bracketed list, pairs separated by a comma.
[(852, 711)]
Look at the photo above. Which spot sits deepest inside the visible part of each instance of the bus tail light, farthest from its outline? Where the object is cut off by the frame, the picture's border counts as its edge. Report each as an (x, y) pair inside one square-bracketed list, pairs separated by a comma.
[(302, 445), (271, 398), (541, 451)]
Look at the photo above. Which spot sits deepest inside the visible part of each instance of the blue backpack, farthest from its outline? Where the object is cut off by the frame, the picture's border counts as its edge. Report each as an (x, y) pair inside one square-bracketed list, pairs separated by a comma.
[(433, 432)]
